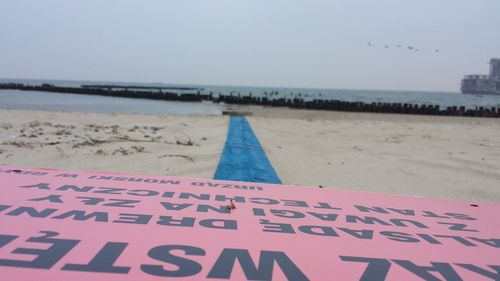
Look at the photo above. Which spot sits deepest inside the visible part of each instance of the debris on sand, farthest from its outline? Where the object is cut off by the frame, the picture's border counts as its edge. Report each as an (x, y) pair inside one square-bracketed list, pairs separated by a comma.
[(138, 149), (121, 150), (189, 158), (183, 142), (61, 152), (63, 132), (133, 129), (21, 144), (34, 124), (6, 126), (156, 129), (114, 129), (187, 142), (100, 152), (94, 142)]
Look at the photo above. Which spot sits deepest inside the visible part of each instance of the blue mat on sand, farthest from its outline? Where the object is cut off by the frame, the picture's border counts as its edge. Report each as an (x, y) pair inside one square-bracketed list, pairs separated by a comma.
[(243, 158)]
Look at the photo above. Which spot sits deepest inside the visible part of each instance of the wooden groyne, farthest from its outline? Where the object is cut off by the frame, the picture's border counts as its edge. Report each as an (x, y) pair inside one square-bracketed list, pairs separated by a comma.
[(110, 87), (170, 94)]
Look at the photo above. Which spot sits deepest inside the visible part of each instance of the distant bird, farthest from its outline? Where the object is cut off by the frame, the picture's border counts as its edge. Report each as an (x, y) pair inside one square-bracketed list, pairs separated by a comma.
[(411, 48)]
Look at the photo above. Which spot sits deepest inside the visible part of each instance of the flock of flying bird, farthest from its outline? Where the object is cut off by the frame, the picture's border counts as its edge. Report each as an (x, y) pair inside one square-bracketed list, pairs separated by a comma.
[(411, 48)]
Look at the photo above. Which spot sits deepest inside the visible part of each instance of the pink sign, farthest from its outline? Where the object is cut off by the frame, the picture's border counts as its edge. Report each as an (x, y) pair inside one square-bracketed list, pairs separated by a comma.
[(66, 225)]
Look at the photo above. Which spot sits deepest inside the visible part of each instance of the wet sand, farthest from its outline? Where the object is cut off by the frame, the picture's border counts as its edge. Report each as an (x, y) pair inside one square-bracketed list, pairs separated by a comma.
[(440, 157)]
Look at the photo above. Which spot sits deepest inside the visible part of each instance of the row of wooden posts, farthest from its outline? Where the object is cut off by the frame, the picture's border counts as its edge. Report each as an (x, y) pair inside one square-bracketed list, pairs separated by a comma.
[(166, 93)]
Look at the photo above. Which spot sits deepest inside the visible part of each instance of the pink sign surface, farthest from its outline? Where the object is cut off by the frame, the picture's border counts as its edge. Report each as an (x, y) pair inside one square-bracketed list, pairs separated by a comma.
[(67, 225)]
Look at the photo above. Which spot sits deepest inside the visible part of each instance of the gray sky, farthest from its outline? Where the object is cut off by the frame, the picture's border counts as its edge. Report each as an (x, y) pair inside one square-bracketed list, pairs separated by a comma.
[(291, 43)]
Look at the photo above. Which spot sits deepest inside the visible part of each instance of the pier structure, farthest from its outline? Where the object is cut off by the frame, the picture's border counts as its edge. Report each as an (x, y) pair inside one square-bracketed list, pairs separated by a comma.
[(483, 84), (495, 68)]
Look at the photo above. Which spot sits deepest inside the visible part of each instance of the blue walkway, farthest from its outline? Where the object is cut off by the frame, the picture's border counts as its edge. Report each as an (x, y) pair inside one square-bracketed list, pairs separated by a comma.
[(243, 159)]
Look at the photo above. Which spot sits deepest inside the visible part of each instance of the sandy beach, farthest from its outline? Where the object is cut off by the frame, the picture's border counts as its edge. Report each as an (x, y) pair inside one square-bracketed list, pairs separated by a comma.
[(143, 144), (429, 156)]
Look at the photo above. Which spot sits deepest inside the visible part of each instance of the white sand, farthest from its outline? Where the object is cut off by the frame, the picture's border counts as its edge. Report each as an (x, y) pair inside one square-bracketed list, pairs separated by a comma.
[(443, 157), (145, 144)]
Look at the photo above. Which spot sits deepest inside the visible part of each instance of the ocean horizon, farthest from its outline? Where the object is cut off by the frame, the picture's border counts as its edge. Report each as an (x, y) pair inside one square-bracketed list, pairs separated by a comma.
[(14, 99)]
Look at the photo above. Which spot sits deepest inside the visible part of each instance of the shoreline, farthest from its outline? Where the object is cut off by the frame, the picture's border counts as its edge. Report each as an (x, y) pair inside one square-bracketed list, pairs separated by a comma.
[(273, 99), (429, 156)]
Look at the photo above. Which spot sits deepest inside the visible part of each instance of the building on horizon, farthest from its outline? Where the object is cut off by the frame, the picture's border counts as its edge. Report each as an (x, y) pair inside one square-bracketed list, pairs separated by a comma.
[(483, 84)]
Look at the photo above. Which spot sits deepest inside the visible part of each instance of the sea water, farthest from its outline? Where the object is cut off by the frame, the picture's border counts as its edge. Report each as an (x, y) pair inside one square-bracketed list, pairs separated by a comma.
[(14, 99)]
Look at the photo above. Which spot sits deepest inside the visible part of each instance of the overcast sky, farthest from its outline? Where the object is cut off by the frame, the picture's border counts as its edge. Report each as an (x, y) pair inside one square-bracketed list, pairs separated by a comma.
[(291, 43)]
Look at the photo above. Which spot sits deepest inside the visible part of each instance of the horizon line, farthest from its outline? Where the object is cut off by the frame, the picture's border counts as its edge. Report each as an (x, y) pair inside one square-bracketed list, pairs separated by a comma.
[(235, 86)]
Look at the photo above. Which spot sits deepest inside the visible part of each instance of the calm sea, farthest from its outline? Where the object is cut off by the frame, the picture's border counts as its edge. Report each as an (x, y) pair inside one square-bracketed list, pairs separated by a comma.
[(12, 99)]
